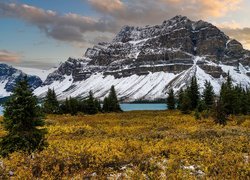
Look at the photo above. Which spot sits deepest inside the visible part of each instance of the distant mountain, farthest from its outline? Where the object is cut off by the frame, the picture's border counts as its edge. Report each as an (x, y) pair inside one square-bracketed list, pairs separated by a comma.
[(41, 73), (10, 75), (145, 62)]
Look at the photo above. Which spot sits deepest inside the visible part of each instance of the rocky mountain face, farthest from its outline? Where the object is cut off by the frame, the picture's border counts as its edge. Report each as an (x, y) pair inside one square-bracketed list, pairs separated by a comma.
[(144, 62), (9, 76)]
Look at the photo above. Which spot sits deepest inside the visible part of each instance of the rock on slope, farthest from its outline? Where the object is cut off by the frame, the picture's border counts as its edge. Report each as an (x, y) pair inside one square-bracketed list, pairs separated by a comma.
[(143, 63), (9, 76)]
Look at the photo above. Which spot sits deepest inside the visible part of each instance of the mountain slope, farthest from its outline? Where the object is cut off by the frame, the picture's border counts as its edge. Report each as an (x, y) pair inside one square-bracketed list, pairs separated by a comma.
[(10, 75), (143, 63)]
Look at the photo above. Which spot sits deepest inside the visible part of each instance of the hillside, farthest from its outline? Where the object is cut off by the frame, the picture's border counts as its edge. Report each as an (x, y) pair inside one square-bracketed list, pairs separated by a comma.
[(137, 145)]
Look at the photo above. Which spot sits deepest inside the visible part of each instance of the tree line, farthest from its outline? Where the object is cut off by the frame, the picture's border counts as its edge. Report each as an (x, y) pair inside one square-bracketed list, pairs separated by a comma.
[(72, 106), (232, 100)]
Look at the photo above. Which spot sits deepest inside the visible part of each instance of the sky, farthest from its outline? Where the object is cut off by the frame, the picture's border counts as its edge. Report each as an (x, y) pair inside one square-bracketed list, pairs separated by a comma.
[(43, 33)]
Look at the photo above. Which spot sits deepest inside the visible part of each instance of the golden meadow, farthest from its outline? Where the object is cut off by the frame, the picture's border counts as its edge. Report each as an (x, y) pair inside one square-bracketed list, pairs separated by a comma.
[(136, 145)]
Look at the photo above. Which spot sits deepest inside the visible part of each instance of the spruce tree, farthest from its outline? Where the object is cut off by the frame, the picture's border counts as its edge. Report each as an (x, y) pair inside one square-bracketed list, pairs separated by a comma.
[(180, 98), (91, 106), (22, 116), (193, 93), (73, 106), (219, 114), (201, 106), (113, 103), (185, 106), (238, 95), (171, 100), (98, 105), (227, 96), (67, 108), (105, 107), (208, 95), (51, 104)]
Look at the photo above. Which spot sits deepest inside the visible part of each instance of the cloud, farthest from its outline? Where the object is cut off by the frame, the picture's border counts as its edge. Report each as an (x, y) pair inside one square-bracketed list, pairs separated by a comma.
[(236, 31), (204, 8), (217, 8), (153, 12), (228, 25), (67, 27), (107, 5), (241, 34), (7, 56)]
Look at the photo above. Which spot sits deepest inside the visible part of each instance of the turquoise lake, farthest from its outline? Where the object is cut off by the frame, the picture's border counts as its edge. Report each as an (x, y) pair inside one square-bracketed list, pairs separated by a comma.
[(143, 107), (132, 107)]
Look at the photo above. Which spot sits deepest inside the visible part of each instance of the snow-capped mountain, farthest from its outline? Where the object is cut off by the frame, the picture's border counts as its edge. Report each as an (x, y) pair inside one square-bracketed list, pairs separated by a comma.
[(144, 62), (10, 75), (41, 73)]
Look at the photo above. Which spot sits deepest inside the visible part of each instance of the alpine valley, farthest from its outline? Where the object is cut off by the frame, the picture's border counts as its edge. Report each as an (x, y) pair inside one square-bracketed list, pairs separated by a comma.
[(143, 63)]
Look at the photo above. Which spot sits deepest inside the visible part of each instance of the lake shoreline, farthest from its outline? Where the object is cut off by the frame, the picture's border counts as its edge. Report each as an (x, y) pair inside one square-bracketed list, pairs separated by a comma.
[(133, 107)]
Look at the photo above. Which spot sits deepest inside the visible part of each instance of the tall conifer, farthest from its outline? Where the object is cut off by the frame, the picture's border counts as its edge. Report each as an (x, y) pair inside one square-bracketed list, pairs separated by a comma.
[(22, 116), (171, 100)]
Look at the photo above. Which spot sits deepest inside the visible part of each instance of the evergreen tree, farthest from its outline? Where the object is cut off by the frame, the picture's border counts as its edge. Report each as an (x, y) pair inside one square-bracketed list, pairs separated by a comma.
[(98, 105), (171, 100), (105, 106), (113, 100), (111, 103), (73, 106), (91, 106), (238, 95), (227, 96), (186, 103), (201, 106), (208, 95), (229, 82), (22, 116), (193, 93), (51, 104), (65, 107), (180, 99)]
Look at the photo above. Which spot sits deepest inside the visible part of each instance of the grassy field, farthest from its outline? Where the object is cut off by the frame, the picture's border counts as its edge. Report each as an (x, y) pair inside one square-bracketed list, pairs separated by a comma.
[(137, 145)]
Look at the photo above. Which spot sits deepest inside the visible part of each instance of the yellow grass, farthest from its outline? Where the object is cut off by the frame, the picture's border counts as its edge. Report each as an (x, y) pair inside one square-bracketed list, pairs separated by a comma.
[(137, 145)]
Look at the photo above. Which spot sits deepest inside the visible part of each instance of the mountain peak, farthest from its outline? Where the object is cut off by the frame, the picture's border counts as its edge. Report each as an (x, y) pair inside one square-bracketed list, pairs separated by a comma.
[(179, 18), (145, 62)]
